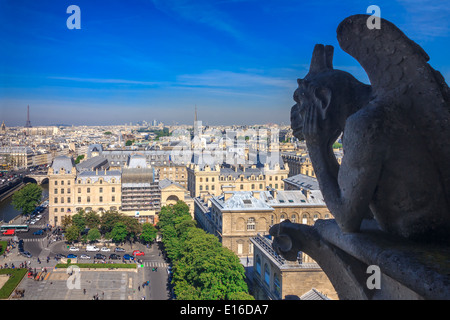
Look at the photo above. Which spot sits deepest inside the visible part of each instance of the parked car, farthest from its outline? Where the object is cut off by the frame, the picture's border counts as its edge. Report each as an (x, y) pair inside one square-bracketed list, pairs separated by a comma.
[(100, 256), (128, 257), (59, 256), (26, 254), (71, 256), (38, 232), (105, 249), (114, 256), (74, 249), (84, 256), (118, 249), (92, 248), (138, 253)]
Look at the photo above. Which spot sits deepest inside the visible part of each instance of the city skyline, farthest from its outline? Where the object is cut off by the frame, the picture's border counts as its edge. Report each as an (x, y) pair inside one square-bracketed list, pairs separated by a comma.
[(237, 61)]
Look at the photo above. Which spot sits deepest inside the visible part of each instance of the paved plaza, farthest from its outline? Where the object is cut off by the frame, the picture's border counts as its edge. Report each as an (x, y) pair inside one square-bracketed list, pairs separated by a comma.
[(119, 284)]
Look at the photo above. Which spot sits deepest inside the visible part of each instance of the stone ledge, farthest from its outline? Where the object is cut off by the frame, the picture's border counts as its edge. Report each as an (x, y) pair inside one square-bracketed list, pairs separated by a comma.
[(408, 270), (422, 268)]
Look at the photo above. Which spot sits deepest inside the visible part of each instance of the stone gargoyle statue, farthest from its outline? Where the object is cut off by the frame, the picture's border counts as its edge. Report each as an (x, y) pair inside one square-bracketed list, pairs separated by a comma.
[(396, 136)]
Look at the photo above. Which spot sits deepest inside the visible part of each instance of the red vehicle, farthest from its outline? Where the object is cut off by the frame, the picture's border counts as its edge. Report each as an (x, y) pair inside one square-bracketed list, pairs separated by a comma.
[(9, 232), (138, 253)]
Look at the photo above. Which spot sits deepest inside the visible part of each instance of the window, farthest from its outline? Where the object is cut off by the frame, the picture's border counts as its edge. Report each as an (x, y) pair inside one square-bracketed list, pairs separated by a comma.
[(305, 219), (79, 199), (88, 199), (88, 190), (56, 182), (101, 199), (55, 191), (68, 199), (282, 217), (101, 190), (113, 198), (68, 190), (62, 182), (266, 274), (242, 187), (62, 200), (55, 200), (62, 190), (79, 190), (258, 265), (276, 285), (113, 189), (251, 224), (293, 218)]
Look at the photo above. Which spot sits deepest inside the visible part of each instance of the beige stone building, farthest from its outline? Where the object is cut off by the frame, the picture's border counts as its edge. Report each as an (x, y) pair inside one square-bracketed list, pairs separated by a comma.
[(172, 192), (71, 191), (214, 180), (236, 216), (274, 278)]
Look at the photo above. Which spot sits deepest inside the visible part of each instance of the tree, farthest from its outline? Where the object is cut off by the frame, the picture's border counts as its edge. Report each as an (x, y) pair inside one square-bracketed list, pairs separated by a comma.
[(203, 269), (92, 220), (66, 221), (129, 143), (108, 221), (133, 226), (94, 234), (148, 232), (72, 233), (27, 198), (79, 158), (119, 233), (79, 220)]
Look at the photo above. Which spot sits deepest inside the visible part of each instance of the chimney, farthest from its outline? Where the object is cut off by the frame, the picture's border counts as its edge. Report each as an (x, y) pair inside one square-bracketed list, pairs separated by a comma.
[(306, 192), (227, 195)]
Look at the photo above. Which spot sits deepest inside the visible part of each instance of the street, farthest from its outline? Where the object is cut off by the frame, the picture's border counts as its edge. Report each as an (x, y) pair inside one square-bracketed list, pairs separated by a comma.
[(106, 284)]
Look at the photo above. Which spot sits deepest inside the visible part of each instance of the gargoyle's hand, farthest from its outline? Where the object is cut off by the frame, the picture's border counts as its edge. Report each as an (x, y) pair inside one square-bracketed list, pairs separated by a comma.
[(288, 238), (316, 128)]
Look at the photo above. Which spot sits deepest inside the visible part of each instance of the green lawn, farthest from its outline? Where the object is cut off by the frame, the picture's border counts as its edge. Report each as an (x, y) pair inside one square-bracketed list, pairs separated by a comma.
[(13, 281)]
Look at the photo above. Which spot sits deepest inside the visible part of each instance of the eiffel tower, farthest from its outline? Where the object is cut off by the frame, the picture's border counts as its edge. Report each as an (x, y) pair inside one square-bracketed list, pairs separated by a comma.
[(28, 124)]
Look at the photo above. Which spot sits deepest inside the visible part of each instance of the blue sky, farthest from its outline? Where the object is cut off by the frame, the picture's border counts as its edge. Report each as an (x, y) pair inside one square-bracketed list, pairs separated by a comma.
[(236, 60)]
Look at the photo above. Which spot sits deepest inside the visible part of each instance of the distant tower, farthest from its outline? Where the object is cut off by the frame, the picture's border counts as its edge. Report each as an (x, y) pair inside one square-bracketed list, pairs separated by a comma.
[(197, 125), (28, 124)]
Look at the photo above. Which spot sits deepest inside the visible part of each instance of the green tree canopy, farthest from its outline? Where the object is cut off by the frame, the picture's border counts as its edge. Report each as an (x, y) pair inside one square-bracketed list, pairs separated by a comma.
[(27, 198), (72, 233), (119, 232), (148, 232), (203, 268), (92, 220), (79, 220), (94, 235)]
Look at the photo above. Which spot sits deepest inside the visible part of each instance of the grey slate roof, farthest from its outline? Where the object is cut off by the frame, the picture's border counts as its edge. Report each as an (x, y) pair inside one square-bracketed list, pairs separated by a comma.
[(63, 162)]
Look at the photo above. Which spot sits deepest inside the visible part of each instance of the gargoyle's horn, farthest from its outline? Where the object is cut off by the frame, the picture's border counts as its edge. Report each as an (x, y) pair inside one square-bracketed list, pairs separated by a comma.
[(321, 59), (329, 51)]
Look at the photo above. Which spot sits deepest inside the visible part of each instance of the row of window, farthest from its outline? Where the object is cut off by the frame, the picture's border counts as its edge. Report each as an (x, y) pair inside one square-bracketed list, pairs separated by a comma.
[(88, 199), (276, 280)]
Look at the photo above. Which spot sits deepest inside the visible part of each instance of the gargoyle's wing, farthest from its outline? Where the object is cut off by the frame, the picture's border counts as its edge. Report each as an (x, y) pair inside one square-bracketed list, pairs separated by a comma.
[(392, 60), (401, 77)]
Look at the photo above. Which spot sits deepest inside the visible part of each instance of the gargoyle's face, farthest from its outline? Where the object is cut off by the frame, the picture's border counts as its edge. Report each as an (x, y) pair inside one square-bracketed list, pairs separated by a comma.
[(298, 111)]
